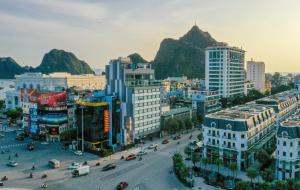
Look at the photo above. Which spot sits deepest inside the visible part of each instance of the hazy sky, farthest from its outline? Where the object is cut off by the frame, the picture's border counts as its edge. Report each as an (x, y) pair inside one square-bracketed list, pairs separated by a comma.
[(97, 31)]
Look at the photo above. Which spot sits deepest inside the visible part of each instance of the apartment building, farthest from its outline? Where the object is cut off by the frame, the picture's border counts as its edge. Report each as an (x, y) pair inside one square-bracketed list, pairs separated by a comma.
[(288, 149), (256, 74), (224, 70)]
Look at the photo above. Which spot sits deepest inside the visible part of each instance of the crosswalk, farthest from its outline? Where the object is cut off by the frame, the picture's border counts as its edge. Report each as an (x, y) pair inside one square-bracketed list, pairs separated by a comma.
[(13, 145)]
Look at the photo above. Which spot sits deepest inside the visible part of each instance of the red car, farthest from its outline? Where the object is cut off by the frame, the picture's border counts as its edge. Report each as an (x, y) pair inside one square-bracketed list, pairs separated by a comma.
[(130, 157), (122, 185), (166, 141)]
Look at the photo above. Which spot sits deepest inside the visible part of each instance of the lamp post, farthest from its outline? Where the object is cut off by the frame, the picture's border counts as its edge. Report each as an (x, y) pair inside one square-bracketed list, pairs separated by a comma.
[(82, 143)]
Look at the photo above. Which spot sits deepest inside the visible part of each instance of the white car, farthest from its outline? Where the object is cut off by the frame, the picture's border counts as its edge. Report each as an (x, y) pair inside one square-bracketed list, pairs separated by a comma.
[(78, 153), (152, 146), (12, 164), (141, 153), (74, 165)]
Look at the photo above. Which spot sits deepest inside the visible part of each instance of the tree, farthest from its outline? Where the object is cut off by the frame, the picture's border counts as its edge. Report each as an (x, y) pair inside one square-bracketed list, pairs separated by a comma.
[(188, 151), (252, 173), (2, 104), (205, 162), (195, 158), (188, 123), (242, 185), (267, 175), (181, 125), (15, 113), (200, 136), (219, 162), (233, 167), (224, 102), (172, 125)]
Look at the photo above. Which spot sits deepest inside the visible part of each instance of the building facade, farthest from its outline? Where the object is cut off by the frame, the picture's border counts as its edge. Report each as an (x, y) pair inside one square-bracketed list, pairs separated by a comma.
[(224, 70), (139, 94), (288, 149), (59, 81), (256, 74)]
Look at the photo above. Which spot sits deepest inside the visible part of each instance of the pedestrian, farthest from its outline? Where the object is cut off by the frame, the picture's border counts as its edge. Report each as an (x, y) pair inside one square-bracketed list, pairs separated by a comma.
[(9, 157)]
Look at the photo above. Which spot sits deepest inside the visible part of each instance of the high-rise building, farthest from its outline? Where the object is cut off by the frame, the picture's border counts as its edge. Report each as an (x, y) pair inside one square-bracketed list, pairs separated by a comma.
[(139, 94), (224, 70), (256, 74)]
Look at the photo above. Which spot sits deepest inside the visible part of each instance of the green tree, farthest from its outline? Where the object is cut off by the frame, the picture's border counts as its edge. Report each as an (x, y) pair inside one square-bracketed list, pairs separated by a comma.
[(205, 161), (188, 123), (2, 104), (195, 158), (200, 136), (15, 113), (252, 173), (218, 162), (267, 175), (280, 185), (242, 185), (172, 125), (188, 151), (233, 167)]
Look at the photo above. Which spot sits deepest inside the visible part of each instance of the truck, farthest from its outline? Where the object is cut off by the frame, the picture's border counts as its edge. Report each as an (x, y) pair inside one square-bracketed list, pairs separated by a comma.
[(82, 170)]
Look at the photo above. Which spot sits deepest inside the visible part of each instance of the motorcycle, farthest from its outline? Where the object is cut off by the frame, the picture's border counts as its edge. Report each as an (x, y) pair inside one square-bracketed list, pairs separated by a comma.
[(31, 175), (85, 163), (33, 168), (122, 157), (178, 142), (4, 178), (98, 164), (44, 176)]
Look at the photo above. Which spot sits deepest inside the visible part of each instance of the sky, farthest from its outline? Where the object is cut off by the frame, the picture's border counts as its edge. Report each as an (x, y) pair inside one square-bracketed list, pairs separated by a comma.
[(97, 31)]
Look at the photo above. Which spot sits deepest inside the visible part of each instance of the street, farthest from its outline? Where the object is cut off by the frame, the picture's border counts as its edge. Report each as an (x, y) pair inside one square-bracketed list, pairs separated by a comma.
[(152, 172)]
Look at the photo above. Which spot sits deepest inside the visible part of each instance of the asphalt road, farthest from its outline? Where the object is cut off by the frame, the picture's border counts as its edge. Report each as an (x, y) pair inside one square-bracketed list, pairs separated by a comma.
[(152, 173)]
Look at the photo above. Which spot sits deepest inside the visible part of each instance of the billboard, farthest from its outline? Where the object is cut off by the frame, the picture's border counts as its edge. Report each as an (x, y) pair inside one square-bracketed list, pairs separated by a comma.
[(52, 99), (106, 121)]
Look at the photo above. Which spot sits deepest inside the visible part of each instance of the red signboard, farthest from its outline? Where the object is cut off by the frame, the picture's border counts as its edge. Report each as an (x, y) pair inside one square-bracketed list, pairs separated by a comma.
[(54, 130), (52, 99), (106, 121)]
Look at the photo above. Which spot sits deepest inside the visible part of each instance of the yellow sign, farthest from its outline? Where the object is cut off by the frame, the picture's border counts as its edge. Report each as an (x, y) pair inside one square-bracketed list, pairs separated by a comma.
[(93, 104)]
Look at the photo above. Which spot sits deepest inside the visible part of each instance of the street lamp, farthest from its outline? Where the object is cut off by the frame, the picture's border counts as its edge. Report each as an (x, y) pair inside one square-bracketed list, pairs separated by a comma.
[(82, 143)]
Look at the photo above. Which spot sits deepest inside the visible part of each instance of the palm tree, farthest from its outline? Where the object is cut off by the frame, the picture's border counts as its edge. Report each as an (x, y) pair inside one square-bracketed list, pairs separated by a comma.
[(205, 162), (251, 173), (219, 162), (233, 167)]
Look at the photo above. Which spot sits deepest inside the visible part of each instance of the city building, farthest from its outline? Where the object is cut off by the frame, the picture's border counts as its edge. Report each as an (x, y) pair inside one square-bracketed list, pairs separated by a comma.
[(268, 86), (206, 102), (139, 94), (224, 70), (12, 99), (59, 81), (178, 113), (256, 74), (98, 116), (248, 86), (288, 149), (234, 135)]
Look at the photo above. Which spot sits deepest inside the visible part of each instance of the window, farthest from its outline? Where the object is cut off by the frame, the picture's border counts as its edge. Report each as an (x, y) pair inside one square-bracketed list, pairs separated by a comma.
[(284, 143), (233, 136), (291, 154), (283, 153), (242, 145), (242, 136), (291, 144)]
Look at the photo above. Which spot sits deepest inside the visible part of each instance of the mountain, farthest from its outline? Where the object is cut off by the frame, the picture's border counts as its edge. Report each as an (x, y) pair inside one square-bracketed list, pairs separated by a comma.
[(185, 56), (62, 61), (137, 58), (9, 68)]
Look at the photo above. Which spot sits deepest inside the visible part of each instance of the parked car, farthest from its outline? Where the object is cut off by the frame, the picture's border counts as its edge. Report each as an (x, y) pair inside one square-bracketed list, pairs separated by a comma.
[(122, 185), (152, 146), (12, 164), (74, 165), (109, 167), (141, 153), (166, 141), (177, 137), (130, 157), (78, 153)]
